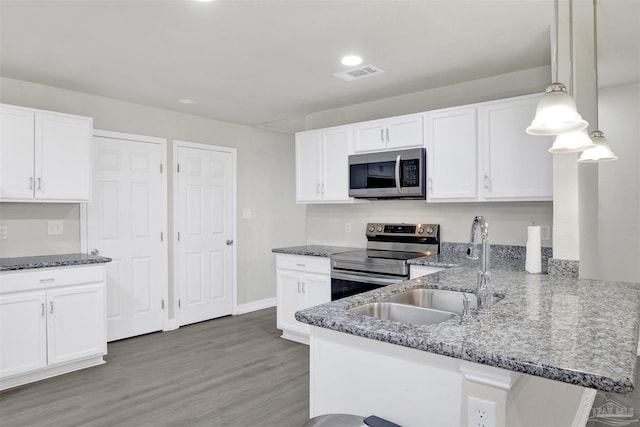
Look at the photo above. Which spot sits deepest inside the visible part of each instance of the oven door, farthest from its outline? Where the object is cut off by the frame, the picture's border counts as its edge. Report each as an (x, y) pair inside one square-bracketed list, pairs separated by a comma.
[(345, 284)]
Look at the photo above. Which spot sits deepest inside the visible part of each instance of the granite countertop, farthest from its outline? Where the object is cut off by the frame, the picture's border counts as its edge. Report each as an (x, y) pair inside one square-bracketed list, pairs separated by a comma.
[(46, 261), (578, 331), (313, 250)]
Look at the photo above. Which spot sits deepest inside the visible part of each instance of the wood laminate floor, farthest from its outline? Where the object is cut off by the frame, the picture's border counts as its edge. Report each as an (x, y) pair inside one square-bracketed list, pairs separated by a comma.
[(232, 371)]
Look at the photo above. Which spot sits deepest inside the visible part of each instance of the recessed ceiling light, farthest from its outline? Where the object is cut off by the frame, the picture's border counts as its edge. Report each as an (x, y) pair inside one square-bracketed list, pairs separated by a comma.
[(351, 60), (186, 101)]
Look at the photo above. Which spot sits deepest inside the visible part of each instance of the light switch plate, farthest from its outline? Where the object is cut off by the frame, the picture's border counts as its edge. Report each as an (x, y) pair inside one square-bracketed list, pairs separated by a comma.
[(55, 228)]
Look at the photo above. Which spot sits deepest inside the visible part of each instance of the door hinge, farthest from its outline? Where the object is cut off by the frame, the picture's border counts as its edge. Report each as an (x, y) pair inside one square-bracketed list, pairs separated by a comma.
[(178, 167), (160, 167), (162, 303), (161, 236)]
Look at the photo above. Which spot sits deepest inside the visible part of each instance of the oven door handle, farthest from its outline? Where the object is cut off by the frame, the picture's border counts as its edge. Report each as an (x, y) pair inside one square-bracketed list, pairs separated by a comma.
[(398, 174), (366, 278)]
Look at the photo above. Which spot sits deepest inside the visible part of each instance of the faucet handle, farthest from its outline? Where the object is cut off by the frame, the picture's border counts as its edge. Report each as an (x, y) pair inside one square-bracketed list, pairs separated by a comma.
[(466, 316)]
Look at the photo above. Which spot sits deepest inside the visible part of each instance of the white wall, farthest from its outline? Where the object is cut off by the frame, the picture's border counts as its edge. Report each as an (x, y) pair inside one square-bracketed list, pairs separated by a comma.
[(265, 181), (619, 185), (508, 221)]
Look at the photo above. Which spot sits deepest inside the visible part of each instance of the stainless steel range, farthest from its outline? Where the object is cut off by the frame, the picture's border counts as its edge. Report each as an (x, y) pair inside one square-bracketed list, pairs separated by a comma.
[(384, 262)]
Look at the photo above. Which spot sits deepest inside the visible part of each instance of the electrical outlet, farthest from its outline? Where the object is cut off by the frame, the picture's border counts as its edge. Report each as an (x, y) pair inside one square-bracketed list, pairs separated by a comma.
[(3, 232), (246, 213), (545, 232), (480, 413), (55, 228), (347, 227)]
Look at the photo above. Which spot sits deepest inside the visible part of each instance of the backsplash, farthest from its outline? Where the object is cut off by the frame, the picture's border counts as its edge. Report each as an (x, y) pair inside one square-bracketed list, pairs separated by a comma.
[(27, 229)]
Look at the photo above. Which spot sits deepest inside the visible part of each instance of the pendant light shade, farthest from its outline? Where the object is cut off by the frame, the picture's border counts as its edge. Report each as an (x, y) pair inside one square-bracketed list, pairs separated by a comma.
[(600, 152), (556, 113), (572, 142)]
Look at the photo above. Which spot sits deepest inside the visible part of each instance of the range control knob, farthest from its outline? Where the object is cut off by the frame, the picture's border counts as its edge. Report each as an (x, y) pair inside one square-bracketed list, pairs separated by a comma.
[(420, 230), (371, 228), (430, 230), (379, 229)]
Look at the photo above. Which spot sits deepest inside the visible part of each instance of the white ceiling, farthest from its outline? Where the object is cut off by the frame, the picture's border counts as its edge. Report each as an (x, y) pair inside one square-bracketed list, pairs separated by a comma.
[(260, 61)]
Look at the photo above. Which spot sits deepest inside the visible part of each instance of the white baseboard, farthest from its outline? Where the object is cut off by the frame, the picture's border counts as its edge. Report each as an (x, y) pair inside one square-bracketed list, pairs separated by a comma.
[(256, 305)]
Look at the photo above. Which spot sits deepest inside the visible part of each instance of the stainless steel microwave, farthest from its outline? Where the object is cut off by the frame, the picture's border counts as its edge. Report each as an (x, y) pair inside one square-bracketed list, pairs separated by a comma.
[(397, 174)]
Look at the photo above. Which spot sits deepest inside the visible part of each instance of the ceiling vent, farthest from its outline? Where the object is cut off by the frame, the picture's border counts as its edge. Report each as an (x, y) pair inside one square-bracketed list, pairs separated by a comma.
[(287, 125), (359, 73)]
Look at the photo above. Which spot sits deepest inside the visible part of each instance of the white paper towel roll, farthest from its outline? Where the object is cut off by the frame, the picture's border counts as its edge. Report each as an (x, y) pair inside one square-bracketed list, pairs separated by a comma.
[(534, 251)]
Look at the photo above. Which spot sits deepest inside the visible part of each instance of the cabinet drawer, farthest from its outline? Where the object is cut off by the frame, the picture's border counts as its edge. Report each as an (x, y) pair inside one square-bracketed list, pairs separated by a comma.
[(43, 278), (307, 264)]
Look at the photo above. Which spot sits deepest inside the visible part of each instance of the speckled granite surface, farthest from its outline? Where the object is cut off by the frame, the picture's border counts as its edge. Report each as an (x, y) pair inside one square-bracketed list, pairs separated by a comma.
[(313, 250), (564, 267), (46, 261), (578, 331)]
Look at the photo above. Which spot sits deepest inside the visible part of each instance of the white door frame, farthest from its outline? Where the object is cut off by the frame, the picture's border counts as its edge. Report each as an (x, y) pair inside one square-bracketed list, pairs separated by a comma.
[(234, 167), (84, 238)]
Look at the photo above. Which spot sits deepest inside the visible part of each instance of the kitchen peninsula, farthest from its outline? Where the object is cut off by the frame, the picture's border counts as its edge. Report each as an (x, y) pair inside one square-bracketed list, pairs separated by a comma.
[(538, 359)]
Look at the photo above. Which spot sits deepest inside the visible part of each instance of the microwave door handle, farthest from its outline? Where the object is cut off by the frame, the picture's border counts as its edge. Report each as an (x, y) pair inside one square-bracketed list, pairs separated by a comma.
[(398, 174)]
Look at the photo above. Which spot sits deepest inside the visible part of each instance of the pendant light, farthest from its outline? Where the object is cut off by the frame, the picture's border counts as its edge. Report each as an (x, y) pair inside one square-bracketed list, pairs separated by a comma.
[(556, 112), (576, 141), (601, 152)]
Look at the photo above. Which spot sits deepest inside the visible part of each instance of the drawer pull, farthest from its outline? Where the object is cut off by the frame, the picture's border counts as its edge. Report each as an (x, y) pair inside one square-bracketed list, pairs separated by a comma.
[(301, 265), (48, 280), (51, 307)]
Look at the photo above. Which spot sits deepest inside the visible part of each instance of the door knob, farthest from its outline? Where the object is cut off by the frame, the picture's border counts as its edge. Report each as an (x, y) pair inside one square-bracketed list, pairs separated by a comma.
[(229, 242)]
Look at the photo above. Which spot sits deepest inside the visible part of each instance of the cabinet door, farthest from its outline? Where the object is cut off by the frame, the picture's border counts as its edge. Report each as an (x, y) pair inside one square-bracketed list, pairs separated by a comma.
[(516, 165), (16, 153), (369, 136), (404, 132), (290, 300), (23, 333), (76, 323), (308, 172), (316, 289), (335, 165), (63, 157), (451, 140)]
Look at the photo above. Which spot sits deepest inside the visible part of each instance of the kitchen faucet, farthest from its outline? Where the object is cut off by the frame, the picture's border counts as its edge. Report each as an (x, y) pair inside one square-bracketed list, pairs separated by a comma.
[(483, 284)]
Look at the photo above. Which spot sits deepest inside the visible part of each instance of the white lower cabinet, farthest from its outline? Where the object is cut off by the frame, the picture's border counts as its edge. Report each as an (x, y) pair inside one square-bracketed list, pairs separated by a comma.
[(302, 282), (52, 321)]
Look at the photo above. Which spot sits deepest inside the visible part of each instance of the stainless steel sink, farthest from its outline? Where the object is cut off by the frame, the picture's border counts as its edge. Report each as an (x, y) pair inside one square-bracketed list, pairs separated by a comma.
[(403, 313), (439, 299)]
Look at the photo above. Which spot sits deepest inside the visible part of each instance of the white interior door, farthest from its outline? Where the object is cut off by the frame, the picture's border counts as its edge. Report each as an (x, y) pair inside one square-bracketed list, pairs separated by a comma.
[(126, 222), (204, 216)]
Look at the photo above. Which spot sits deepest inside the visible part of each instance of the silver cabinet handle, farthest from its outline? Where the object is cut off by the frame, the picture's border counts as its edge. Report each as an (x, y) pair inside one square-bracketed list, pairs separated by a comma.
[(39, 184), (382, 136), (229, 242), (318, 188), (42, 306), (298, 286), (322, 189), (30, 183), (387, 134), (48, 280), (51, 307), (487, 182), (430, 185)]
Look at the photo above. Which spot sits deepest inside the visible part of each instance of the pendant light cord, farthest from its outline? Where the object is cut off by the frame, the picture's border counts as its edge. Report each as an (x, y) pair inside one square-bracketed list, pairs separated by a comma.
[(554, 66), (595, 56)]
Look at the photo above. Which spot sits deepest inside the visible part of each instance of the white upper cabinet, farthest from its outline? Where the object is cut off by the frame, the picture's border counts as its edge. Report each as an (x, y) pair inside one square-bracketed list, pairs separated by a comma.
[(481, 152), (44, 156), (322, 169), (451, 141), (516, 165), (388, 134)]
